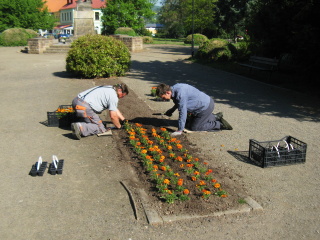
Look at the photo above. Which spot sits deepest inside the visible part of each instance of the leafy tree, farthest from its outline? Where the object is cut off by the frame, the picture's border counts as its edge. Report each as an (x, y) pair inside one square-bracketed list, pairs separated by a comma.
[(28, 14), (180, 16), (126, 13)]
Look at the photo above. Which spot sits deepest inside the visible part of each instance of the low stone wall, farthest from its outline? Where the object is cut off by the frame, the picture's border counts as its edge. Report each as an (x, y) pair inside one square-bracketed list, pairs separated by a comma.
[(133, 43), (38, 45)]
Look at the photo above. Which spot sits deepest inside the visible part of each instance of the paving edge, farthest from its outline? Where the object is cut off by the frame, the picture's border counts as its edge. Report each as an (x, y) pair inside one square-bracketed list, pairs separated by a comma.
[(155, 219)]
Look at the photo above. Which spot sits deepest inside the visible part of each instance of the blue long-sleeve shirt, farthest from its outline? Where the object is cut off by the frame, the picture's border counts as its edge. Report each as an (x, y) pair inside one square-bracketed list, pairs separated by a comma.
[(188, 99)]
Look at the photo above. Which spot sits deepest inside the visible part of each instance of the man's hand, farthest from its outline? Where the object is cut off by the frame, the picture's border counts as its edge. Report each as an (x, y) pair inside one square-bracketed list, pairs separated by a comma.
[(176, 133)]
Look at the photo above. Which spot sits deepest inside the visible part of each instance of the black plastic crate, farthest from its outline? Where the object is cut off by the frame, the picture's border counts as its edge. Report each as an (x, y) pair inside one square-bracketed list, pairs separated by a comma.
[(61, 119), (285, 151)]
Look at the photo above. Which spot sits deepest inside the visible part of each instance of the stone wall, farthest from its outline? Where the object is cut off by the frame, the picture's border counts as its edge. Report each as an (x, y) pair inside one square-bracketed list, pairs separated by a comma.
[(134, 44), (38, 45)]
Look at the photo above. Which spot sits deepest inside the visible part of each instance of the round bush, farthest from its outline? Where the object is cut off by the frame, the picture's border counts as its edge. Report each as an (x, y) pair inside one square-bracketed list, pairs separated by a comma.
[(94, 56), (126, 31), (147, 39), (216, 49), (16, 37), (197, 38)]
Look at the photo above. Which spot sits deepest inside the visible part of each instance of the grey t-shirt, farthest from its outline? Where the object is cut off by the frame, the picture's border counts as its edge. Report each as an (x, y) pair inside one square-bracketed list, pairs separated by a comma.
[(101, 98)]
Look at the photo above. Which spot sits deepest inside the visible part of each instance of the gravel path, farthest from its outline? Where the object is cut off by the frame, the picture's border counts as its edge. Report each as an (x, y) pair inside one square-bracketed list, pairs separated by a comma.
[(88, 202)]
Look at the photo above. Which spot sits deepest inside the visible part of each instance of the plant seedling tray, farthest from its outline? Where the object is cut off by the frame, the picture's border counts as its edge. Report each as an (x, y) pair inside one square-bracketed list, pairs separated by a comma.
[(61, 119), (286, 151)]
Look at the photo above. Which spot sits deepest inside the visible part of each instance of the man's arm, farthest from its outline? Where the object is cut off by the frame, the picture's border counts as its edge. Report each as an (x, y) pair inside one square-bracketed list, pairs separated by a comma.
[(116, 116)]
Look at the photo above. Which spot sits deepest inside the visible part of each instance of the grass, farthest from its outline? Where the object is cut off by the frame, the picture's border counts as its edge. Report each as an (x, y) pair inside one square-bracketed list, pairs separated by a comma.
[(175, 41)]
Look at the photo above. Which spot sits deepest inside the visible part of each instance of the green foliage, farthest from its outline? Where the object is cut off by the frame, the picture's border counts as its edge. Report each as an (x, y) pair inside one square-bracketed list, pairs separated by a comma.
[(126, 31), (215, 50), (126, 13), (28, 14), (16, 37), (197, 38), (93, 56), (147, 39)]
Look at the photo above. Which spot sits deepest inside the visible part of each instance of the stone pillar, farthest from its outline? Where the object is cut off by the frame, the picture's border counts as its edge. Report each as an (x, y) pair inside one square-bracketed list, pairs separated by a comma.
[(83, 19), (134, 44), (38, 45)]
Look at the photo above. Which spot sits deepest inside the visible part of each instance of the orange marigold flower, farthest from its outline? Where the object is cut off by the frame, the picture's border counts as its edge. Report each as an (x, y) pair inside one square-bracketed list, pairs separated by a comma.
[(132, 137), (186, 191), (179, 158), (181, 165), (196, 173), (224, 195), (155, 166), (217, 185), (150, 142), (180, 182), (153, 130), (169, 191), (196, 159), (190, 165), (213, 180), (163, 129), (138, 124), (193, 178), (166, 181), (177, 174), (138, 143), (144, 151), (169, 147), (202, 183), (163, 168), (179, 146), (205, 163)]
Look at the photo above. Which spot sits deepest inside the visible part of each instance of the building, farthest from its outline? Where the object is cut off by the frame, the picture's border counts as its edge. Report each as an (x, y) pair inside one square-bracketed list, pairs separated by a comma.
[(64, 11), (153, 27)]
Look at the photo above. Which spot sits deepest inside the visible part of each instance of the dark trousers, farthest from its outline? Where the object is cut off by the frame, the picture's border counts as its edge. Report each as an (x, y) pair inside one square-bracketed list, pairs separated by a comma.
[(205, 120)]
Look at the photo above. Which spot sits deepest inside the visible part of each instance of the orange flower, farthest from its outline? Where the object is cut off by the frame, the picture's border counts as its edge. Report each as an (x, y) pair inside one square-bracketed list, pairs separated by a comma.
[(217, 185), (179, 146), (205, 163), (169, 147), (202, 183), (180, 182), (138, 143), (179, 159), (132, 137), (138, 124), (171, 155), (144, 151), (181, 165), (150, 142), (177, 174), (196, 159), (186, 191), (163, 168), (155, 167), (166, 181), (163, 129), (224, 195), (196, 173), (213, 180), (190, 165), (193, 178)]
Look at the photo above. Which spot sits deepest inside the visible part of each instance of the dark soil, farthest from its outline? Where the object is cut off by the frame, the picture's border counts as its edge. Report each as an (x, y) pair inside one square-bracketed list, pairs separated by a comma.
[(137, 111)]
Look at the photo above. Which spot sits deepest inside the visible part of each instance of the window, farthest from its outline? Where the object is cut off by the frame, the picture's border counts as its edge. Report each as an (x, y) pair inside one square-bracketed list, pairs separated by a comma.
[(97, 16)]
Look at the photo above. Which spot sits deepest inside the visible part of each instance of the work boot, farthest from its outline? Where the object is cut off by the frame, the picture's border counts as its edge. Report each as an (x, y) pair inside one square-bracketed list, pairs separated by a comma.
[(76, 131), (218, 116), (225, 125)]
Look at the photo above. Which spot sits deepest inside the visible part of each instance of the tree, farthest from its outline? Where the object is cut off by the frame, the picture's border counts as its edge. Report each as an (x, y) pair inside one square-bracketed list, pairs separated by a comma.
[(126, 13), (28, 14), (178, 17)]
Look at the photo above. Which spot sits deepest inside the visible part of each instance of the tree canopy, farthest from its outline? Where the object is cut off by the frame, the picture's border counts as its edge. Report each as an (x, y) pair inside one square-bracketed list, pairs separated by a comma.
[(126, 13), (28, 14)]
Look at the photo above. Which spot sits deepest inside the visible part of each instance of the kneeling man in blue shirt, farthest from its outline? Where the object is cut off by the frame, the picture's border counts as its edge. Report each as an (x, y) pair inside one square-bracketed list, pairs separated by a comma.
[(188, 99)]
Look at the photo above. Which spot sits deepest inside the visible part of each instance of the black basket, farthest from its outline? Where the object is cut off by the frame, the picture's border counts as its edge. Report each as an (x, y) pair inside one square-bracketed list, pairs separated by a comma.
[(285, 151), (61, 119)]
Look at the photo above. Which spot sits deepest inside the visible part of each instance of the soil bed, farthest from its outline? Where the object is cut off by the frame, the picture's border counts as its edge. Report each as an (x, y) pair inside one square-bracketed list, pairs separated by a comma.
[(137, 111)]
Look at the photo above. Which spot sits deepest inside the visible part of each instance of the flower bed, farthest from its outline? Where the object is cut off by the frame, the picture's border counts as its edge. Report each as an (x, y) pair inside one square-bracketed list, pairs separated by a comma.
[(174, 172)]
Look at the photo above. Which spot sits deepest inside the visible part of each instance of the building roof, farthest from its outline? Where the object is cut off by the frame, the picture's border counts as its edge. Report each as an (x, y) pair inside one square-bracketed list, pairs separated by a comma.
[(154, 25), (96, 4), (56, 5)]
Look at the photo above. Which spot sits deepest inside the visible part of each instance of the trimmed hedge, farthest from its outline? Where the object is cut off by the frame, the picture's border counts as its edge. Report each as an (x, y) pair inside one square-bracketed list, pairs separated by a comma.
[(125, 31), (216, 49), (94, 56), (147, 39), (16, 36), (197, 38)]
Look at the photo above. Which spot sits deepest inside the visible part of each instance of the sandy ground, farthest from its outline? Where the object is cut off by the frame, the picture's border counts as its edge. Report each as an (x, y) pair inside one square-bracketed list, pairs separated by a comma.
[(88, 202)]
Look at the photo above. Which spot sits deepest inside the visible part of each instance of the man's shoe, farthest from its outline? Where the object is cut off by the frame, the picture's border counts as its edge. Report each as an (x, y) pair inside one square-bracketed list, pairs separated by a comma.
[(218, 116), (76, 132), (225, 125)]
